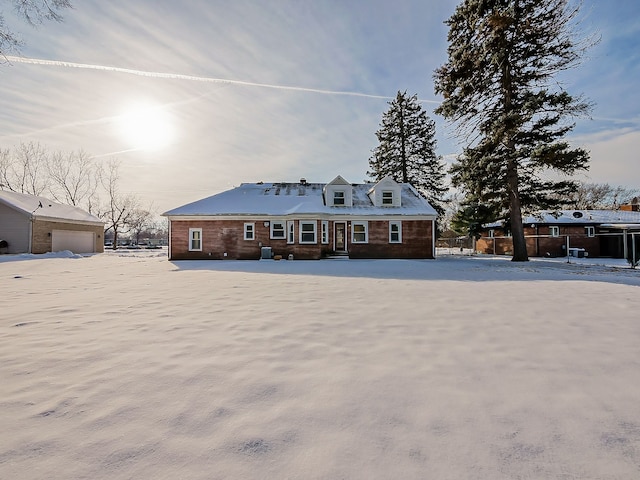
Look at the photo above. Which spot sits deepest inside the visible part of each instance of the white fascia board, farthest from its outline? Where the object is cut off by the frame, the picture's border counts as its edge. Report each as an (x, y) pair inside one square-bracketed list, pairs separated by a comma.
[(300, 216), (620, 226), (383, 217), (42, 218)]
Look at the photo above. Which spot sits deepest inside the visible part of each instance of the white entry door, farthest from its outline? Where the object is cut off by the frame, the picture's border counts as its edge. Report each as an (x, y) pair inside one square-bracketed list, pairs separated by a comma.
[(77, 242)]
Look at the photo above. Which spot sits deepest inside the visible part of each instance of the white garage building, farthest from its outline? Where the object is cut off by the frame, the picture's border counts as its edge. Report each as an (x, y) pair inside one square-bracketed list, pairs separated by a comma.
[(32, 224)]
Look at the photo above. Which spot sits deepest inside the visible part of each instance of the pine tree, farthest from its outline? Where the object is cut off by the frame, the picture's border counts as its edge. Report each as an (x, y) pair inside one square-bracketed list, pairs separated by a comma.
[(499, 89), (406, 150)]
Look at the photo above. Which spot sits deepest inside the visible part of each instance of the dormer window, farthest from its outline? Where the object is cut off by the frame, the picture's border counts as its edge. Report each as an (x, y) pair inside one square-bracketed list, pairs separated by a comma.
[(386, 193), (338, 193)]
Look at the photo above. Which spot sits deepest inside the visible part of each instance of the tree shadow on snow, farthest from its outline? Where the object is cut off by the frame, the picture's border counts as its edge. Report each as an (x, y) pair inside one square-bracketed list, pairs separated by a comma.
[(447, 268)]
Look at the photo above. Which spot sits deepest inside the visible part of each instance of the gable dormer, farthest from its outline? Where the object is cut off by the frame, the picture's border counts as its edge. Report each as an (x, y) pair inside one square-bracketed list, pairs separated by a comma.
[(386, 193), (338, 193)]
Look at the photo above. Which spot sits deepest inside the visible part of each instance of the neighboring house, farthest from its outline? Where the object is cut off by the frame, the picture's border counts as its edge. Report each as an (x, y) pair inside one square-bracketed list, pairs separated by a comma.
[(633, 206), (32, 224), (305, 220), (596, 233)]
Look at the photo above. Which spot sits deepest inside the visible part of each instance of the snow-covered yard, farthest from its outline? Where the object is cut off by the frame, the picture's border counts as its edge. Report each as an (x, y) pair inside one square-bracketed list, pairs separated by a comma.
[(128, 366)]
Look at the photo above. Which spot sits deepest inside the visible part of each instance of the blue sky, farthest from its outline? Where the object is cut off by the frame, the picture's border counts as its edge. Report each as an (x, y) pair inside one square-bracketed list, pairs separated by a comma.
[(247, 130)]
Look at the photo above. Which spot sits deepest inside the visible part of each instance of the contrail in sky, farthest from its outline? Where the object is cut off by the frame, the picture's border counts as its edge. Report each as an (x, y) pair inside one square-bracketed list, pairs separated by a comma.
[(116, 153), (192, 78)]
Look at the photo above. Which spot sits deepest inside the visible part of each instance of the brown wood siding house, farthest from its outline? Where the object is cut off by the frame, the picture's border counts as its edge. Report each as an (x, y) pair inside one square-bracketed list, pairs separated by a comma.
[(305, 221), (594, 233)]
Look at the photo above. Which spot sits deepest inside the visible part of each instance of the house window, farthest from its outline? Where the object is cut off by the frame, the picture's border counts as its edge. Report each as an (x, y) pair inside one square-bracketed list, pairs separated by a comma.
[(554, 231), (395, 232), (359, 232), (249, 231), (325, 231), (291, 231), (307, 232), (591, 231), (492, 233), (387, 198), (338, 197), (277, 230), (195, 239)]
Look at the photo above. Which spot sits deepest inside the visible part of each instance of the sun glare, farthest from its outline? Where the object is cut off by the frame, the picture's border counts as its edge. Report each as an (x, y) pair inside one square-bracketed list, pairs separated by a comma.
[(146, 127)]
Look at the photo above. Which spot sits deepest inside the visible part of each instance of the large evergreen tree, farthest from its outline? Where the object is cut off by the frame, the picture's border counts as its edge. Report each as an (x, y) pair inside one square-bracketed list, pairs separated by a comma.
[(500, 90), (406, 151)]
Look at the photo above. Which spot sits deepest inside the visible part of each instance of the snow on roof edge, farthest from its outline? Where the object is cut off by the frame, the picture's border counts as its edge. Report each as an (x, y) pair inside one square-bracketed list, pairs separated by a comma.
[(46, 209), (575, 216), (287, 198)]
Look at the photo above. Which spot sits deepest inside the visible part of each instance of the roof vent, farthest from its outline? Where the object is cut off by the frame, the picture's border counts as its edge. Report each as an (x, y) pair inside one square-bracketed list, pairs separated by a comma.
[(577, 214), (303, 181)]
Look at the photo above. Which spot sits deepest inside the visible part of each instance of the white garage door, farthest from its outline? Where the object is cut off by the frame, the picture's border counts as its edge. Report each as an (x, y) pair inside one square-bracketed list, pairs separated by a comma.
[(77, 242)]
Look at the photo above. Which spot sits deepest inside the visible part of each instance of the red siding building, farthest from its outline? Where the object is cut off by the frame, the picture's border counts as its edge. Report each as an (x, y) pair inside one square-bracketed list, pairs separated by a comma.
[(593, 233), (305, 221)]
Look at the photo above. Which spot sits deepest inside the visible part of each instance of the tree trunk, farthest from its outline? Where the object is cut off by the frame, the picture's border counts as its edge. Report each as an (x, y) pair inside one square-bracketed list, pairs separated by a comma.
[(403, 145), (517, 229), (515, 208)]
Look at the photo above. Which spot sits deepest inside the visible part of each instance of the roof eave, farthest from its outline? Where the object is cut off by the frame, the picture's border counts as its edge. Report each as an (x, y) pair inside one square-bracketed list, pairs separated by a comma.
[(67, 220)]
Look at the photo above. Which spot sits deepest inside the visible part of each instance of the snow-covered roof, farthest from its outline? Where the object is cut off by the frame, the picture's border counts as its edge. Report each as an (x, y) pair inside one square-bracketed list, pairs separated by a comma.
[(578, 217), (46, 209), (299, 198)]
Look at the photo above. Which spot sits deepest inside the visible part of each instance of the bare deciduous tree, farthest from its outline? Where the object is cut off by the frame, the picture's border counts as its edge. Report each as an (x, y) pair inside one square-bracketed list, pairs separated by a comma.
[(24, 169), (73, 178), (600, 196), (140, 220), (33, 12), (120, 209), (5, 160)]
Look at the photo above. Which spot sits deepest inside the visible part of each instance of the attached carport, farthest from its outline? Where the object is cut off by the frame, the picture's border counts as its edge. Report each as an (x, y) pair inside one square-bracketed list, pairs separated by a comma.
[(629, 236)]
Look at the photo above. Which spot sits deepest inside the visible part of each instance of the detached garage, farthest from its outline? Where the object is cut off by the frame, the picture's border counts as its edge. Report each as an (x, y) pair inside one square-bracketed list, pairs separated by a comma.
[(32, 224)]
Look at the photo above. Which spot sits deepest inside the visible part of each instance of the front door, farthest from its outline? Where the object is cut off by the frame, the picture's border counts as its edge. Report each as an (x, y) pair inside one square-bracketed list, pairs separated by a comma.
[(340, 239)]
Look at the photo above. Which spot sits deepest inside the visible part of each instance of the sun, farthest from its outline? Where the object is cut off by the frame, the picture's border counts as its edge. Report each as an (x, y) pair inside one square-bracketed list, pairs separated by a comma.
[(146, 127)]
